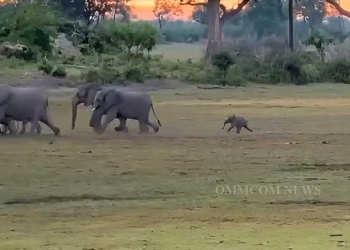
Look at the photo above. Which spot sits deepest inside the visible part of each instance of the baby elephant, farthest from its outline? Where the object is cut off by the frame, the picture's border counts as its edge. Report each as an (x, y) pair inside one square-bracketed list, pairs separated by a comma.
[(238, 122)]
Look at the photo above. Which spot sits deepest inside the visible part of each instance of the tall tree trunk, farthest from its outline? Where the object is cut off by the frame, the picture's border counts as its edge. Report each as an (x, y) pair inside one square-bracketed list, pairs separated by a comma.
[(214, 36), (115, 10), (160, 23), (221, 31), (291, 25), (98, 19)]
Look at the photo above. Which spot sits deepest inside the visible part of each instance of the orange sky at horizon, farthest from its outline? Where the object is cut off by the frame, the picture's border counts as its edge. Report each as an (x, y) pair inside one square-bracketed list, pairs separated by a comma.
[(143, 8)]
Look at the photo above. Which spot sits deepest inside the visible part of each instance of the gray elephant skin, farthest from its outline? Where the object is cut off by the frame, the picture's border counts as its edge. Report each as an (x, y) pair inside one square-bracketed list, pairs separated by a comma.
[(26, 105), (86, 94), (128, 104)]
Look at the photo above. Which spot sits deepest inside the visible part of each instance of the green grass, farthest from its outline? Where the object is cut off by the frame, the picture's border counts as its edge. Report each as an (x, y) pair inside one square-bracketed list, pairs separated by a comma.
[(180, 51), (157, 191), (15, 68)]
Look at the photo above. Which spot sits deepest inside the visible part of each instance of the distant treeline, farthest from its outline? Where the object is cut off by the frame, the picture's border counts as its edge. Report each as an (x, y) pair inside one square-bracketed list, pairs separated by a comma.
[(192, 31)]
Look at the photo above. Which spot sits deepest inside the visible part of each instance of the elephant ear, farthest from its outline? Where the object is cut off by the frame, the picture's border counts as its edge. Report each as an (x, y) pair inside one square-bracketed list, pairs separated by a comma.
[(5, 94), (113, 97), (91, 93), (90, 97), (82, 91)]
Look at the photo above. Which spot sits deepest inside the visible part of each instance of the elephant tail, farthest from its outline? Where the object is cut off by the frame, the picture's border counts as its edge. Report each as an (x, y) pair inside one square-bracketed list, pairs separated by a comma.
[(156, 115)]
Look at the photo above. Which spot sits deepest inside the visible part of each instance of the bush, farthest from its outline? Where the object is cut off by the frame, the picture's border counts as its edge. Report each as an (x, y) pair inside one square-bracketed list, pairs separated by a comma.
[(30, 55), (70, 60), (90, 76), (109, 74), (223, 61), (46, 67), (135, 72), (206, 76), (235, 79), (337, 71), (117, 74), (183, 32), (59, 72), (293, 62), (312, 73)]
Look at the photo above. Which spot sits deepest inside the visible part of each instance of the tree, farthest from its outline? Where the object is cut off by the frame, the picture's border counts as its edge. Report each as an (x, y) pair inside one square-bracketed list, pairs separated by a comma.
[(97, 9), (312, 11), (200, 15), (337, 7), (291, 24), (266, 18), (73, 8), (163, 8), (121, 8), (138, 35), (93, 10), (217, 14)]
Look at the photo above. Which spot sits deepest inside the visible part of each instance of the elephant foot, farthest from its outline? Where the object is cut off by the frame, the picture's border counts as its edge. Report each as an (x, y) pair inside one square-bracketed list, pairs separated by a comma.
[(120, 129), (57, 131), (99, 131), (144, 132)]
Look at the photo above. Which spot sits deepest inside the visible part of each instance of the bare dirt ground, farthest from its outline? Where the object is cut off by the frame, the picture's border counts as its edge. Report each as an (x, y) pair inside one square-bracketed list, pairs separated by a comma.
[(192, 185)]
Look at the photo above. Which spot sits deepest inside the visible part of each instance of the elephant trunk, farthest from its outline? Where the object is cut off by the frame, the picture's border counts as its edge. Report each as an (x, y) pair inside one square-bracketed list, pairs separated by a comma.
[(75, 103), (224, 124), (95, 120)]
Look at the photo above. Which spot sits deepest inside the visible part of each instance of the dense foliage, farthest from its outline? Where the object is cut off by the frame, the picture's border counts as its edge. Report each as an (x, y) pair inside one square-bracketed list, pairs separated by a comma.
[(113, 51)]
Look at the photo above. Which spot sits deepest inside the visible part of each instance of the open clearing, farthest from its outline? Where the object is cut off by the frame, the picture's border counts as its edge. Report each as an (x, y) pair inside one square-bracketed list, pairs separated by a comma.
[(163, 191), (181, 51)]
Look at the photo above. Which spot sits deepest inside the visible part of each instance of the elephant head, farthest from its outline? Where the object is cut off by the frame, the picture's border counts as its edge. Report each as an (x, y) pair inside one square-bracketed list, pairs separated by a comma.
[(107, 103), (229, 120), (85, 94)]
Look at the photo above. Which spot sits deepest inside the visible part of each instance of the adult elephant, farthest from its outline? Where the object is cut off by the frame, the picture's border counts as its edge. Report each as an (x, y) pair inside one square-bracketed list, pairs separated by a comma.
[(128, 104), (26, 105), (86, 94)]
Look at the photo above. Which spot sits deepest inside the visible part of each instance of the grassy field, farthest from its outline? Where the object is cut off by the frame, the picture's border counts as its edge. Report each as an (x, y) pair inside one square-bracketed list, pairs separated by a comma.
[(163, 191), (180, 51)]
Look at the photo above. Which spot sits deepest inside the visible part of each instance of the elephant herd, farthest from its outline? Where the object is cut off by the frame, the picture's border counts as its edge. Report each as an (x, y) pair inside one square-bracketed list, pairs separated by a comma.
[(19, 104)]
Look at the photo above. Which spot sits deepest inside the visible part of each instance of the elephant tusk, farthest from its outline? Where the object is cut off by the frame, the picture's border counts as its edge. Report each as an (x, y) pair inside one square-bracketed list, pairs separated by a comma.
[(93, 109)]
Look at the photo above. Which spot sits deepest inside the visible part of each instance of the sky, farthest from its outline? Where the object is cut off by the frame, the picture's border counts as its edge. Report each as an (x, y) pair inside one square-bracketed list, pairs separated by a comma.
[(143, 8)]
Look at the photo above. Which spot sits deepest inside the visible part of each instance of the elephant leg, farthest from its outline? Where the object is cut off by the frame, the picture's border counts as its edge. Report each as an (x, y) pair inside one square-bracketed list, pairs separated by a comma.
[(109, 118), (238, 129), (144, 129), (46, 119), (3, 129), (3, 120), (153, 126), (8, 125), (12, 127), (34, 125), (38, 129), (122, 125), (24, 127)]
